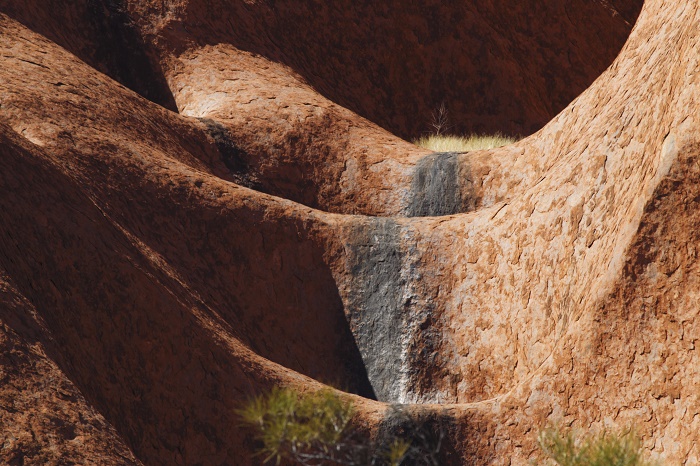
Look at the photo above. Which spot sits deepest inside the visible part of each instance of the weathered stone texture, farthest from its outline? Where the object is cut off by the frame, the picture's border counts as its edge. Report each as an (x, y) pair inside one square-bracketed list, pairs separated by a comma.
[(159, 267)]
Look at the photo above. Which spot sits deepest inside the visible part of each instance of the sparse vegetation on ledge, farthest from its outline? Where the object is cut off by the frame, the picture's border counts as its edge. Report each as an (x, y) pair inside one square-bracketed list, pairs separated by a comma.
[(604, 449), (315, 429), (443, 143)]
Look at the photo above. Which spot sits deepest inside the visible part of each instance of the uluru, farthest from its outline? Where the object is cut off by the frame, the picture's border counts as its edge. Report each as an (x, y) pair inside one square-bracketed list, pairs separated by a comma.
[(205, 201)]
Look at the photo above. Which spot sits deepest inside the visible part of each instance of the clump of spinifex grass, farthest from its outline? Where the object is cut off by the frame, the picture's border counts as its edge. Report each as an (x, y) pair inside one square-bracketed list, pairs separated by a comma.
[(315, 429), (443, 143), (604, 449)]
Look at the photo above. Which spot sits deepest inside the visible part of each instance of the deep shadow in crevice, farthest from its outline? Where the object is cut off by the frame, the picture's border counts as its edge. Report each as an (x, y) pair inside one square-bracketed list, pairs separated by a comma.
[(437, 437), (234, 158), (102, 34), (124, 55)]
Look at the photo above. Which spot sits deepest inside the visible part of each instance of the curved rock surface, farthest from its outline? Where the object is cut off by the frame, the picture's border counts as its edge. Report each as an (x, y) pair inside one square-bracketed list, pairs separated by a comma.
[(159, 267)]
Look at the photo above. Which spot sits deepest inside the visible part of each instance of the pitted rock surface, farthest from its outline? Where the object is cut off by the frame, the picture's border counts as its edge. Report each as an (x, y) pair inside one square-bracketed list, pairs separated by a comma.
[(157, 268)]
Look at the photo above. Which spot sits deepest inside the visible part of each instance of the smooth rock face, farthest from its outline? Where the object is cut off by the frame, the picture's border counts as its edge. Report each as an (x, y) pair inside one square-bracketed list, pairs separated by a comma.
[(158, 268)]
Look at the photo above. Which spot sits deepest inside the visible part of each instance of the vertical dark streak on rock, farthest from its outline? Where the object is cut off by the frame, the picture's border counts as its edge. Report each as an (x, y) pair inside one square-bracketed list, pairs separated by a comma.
[(390, 310), (437, 187), (375, 303)]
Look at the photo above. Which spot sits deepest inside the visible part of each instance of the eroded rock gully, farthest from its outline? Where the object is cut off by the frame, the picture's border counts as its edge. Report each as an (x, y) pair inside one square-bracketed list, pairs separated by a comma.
[(157, 268)]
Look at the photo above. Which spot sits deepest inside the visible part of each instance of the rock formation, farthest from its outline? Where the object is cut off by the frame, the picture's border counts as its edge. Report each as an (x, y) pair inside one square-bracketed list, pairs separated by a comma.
[(192, 213)]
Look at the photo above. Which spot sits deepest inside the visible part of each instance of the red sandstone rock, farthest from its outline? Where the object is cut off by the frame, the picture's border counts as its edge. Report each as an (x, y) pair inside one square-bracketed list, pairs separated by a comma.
[(148, 286)]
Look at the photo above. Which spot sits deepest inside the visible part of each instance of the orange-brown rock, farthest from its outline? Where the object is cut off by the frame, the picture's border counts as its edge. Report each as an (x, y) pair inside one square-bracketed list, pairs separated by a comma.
[(159, 267), (498, 66)]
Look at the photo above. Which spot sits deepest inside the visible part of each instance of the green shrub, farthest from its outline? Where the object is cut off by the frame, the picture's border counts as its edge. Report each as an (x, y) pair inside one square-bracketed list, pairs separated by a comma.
[(315, 429), (605, 449), (443, 143), (307, 429)]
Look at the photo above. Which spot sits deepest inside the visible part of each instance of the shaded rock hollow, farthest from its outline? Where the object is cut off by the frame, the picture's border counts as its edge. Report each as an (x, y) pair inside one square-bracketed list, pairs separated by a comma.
[(147, 290)]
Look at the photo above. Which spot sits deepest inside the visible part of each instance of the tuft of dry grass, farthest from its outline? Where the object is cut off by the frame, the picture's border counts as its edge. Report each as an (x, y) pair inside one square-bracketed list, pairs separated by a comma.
[(604, 449), (442, 143)]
